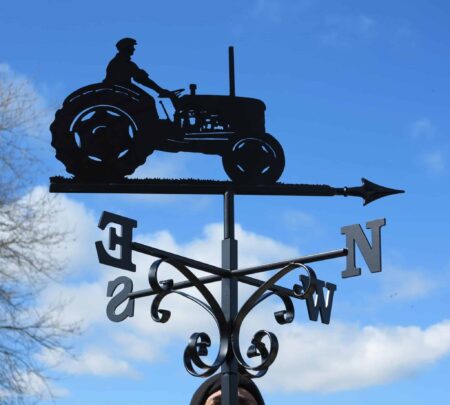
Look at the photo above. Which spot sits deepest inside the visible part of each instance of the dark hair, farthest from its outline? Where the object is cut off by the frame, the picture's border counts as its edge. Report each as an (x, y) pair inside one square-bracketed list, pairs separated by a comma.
[(213, 384)]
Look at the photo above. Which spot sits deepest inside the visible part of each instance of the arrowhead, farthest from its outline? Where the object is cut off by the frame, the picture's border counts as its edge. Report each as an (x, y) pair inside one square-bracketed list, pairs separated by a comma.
[(372, 191)]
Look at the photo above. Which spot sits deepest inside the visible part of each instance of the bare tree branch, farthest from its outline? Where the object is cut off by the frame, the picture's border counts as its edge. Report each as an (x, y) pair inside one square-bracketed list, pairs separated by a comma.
[(27, 240)]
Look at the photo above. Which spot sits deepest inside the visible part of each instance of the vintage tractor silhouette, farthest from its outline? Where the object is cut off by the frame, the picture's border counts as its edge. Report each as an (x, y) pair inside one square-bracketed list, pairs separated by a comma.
[(103, 132)]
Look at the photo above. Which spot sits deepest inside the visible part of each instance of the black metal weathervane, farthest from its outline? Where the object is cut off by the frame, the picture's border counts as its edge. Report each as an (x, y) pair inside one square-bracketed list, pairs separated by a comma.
[(104, 131)]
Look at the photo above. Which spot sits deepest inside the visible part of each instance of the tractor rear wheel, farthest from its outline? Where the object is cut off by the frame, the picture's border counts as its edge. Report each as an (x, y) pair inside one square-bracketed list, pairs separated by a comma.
[(254, 160), (102, 132)]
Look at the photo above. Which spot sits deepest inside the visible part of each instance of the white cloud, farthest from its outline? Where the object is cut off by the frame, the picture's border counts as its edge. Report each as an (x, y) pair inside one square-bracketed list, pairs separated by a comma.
[(80, 223), (403, 36), (27, 108), (435, 162), (275, 10), (35, 388), (408, 284), (342, 30), (423, 129), (137, 348), (364, 23), (434, 159), (87, 300), (254, 249), (96, 363), (341, 356), (344, 357), (92, 361), (164, 165), (61, 214), (297, 219), (268, 9), (186, 316), (263, 12)]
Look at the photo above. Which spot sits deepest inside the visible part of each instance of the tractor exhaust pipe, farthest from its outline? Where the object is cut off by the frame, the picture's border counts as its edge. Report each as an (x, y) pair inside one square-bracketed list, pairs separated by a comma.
[(231, 70)]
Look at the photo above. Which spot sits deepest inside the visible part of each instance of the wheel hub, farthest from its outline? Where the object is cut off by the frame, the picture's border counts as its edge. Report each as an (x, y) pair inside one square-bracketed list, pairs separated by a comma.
[(103, 133)]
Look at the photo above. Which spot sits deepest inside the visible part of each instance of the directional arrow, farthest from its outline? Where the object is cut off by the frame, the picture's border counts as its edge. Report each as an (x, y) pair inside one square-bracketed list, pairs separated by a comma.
[(368, 191)]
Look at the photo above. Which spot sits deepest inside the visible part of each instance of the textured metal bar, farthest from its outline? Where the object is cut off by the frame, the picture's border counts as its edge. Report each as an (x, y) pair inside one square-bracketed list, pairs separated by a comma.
[(162, 254), (157, 186), (229, 301), (368, 191), (304, 260)]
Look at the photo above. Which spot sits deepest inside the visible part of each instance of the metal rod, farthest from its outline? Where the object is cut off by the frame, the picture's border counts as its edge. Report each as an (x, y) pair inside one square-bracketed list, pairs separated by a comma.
[(195, 264), (231, 70), (228, 214), (276, 288), (165, 111), (177, 286), (304, 260), (240, 275), (211, 279), (368, 191), (229, 379)]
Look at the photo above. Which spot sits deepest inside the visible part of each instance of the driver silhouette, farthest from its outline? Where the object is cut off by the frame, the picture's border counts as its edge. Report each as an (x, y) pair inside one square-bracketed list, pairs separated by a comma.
[(121, 70)]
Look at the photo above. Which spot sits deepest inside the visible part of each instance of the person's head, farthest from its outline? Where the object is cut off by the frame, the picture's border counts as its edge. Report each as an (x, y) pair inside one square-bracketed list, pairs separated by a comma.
[(244, 398), (209, 393), (126, 46)]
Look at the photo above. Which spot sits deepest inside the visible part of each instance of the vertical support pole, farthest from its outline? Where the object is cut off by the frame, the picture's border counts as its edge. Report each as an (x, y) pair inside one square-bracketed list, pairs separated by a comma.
[(231, 70), (229, 300)]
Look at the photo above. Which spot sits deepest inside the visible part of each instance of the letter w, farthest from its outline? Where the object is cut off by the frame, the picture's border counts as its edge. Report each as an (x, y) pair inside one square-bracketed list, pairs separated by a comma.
[(318, 302)]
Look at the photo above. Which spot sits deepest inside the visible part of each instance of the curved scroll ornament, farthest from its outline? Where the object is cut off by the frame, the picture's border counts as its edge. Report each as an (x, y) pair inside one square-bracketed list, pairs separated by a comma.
[(258, 347), (199, 342)]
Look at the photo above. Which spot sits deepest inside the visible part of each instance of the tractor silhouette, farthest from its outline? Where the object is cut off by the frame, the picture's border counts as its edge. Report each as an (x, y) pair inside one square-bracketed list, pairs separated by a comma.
[(103, 132)]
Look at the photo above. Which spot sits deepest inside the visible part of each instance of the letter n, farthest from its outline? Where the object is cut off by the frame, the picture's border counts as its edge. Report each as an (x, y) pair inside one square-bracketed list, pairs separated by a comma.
[(317, 302), (371, 253)]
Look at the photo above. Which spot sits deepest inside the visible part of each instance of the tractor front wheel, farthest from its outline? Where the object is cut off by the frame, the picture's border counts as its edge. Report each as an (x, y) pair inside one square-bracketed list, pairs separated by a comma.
[(254, 160)]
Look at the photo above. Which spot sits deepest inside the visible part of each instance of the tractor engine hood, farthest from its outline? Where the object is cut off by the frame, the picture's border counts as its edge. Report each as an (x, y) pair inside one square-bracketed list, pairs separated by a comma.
[(243, 114)]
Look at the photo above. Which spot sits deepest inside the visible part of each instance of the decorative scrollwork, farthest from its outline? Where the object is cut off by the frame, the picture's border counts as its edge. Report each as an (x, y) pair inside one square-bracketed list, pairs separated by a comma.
[(199, 342), (258, 347)]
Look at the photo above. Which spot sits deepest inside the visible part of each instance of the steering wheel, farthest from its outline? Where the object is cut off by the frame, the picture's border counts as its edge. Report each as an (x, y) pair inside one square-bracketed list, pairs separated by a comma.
[(177, 93), (172, 94)]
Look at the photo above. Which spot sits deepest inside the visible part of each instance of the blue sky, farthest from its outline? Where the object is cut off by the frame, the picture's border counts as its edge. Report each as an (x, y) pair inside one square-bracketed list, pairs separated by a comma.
[(353, 89)]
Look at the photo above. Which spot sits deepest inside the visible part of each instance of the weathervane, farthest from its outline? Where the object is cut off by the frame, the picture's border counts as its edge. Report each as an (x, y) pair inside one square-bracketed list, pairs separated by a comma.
[(104, 131)]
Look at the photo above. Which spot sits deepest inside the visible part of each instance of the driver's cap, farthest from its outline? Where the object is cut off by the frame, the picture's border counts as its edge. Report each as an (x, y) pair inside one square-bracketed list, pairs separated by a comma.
[(125, 43)]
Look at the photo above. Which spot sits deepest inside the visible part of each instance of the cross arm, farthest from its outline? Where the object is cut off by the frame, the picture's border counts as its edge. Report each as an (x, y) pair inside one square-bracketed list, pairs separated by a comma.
[(211, 279)]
